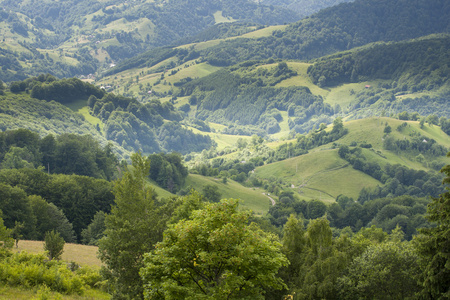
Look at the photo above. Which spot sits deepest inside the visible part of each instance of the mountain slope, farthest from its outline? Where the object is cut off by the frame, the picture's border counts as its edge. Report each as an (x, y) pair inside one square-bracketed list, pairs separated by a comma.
[(129, 124), (323, 174), (342, 27), (80, 36)]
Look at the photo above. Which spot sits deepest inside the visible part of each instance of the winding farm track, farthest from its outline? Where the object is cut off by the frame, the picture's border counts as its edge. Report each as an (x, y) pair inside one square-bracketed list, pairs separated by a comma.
[(271, 199)]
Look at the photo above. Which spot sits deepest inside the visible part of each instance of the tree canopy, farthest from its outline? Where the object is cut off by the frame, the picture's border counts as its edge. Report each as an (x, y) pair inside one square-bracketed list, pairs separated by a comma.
[(214, 254)]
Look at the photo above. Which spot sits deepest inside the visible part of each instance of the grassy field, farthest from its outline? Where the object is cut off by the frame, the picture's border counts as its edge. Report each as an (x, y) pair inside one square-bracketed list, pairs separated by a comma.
[(219, 18), (81, 254), (162, 193), (319, 175), (323, 175), (90, 118), (222, 140), (284, 125), (252, 198), (148, 81)]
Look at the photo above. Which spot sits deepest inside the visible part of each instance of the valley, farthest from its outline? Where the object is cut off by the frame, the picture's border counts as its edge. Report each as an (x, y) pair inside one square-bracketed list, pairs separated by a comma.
[(272, 149)]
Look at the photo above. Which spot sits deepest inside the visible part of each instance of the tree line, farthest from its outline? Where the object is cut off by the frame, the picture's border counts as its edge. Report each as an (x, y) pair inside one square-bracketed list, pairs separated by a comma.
[(127, 122), (337, 28), (216, 251), (417, 65), (64, 154), (187, 247), (246, 95)]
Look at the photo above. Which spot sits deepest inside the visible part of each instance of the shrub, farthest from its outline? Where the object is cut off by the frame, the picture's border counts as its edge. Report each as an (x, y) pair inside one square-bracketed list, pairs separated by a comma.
[(32, 270), (54, 244)]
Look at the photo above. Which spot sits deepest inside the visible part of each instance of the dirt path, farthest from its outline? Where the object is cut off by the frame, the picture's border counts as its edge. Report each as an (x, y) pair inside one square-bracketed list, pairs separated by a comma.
[(271, 199)]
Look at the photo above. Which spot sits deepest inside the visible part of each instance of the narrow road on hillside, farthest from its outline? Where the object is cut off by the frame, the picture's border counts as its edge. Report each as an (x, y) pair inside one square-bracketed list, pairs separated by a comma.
[(271, 199)]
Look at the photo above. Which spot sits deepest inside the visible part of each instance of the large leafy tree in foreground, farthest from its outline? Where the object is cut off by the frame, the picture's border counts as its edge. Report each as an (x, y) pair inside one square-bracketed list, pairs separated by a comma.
[(137, 221), (214, 254), (383, 271), (434, 246)]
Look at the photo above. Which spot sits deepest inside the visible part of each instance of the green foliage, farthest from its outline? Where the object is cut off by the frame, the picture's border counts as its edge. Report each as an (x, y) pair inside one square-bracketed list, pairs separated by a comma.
[(294, 244), (5, 235), (369, 264), (418, 144), (76, 197), (317, 258), (53, 244), (46, 87), (245, 95), (433, 246), (135, 225), (138, 126), (445, 125), (34, 270), (339, 28), (398, 179), (21, 112), (405, 63), (15, 207), (175, 137), (167, 170), (306, 142), (48, 25), (386, 213), (383, 271), (214, 254), (211, 193), (198, 124), (95, 231), (50, 218)]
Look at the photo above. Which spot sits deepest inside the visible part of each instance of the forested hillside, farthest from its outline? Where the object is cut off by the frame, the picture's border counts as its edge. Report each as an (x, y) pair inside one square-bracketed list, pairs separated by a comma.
[(416, 65), (409, 75), (245, 95), (304, 7), (36, 104), (334, 29), (339, 28), (76, 37)]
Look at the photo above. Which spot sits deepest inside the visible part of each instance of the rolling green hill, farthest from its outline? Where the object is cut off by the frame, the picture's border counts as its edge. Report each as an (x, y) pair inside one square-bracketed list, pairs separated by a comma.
[(37, 104), (318, 175), (340, 28), (251, 198), (322, 174), (204, 92), (76, 37), (304, 7)]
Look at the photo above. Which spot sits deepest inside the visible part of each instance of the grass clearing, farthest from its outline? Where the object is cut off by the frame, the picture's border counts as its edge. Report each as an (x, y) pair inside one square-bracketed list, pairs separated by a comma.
[(284, 125), (81, 254), (162, 193), (302, 79), (219, 18), (318, 175), (90, 118), (76, 105), (267, 31), (223, 140), (251, 198)]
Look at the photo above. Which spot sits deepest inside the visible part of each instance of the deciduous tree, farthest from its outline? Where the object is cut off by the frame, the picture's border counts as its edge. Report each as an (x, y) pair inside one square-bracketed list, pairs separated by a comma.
[(434, 246), (54, 244), (213, 255), (136, 223)]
